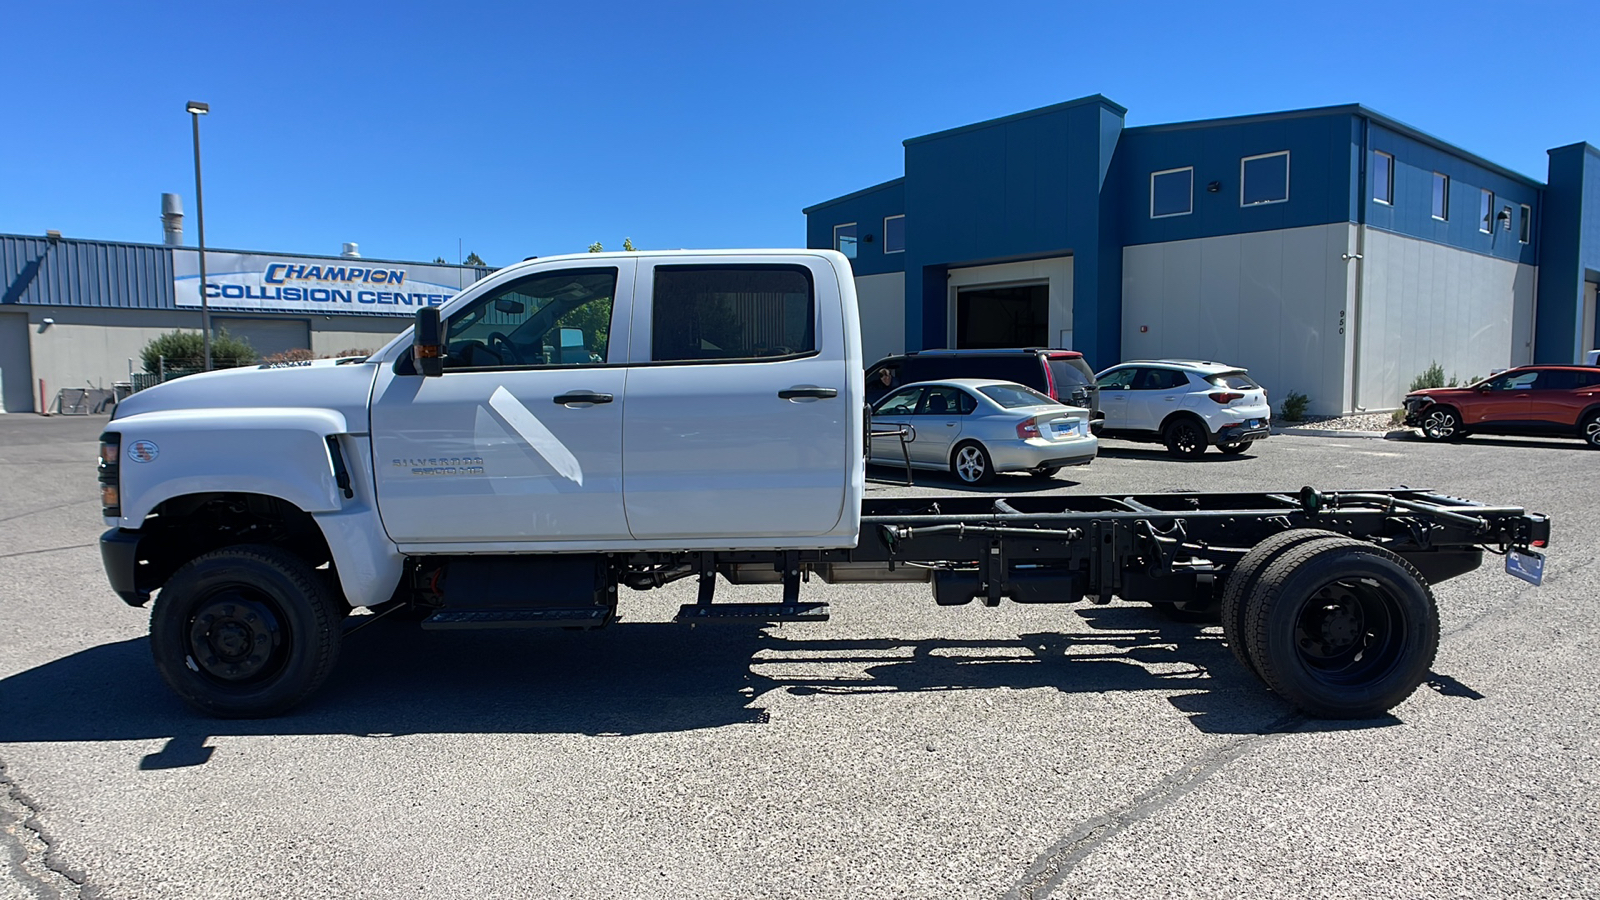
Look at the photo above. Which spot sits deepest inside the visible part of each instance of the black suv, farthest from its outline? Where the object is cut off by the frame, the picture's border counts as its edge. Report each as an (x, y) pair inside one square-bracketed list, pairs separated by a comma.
[(1062, 374)]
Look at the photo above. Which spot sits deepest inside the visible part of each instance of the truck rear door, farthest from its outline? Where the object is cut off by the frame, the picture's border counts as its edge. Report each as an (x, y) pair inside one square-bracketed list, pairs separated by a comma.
[(741, 419)]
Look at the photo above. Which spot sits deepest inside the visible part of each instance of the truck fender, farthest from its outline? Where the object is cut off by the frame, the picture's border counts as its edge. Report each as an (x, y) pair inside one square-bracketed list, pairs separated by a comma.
[(281, 453)]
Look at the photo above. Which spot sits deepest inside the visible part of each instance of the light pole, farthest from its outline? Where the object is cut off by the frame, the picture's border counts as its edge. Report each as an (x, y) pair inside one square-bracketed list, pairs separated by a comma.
[(196, 109)]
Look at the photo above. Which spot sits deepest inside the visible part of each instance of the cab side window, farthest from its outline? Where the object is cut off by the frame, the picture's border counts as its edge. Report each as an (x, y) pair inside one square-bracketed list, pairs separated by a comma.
[(903, 403), (1120, 380), (1514, 381), (558, 318), (943, 401), (1556, 380), (732, 313)]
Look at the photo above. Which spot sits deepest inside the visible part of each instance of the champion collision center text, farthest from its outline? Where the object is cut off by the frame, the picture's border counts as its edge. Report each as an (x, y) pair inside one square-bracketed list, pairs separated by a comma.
[(282, 273)]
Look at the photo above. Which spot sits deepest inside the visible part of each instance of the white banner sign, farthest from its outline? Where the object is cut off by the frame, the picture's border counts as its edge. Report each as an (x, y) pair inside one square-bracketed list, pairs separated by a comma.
[(351, 286)]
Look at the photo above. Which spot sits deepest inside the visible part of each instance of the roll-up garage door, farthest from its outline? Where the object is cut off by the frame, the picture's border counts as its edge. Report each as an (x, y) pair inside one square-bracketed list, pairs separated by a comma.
[(268, 336)]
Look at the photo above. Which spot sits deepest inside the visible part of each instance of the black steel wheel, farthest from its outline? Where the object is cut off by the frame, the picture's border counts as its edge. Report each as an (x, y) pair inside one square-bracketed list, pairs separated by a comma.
[(245, 631), (1234, 448), (1591, 430), (1044, 471), (1246, 574), (1441, 423), (1185, 438), (1340, 631), (971, 464)]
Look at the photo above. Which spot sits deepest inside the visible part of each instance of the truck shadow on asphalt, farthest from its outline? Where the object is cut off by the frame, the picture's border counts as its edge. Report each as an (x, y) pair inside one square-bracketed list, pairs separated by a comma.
[(641, 678)]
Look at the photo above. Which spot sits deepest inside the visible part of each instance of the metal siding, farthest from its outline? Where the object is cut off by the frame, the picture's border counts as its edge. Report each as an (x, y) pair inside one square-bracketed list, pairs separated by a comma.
[(41, 272), (1569, 241), (1319, 176), (867, 208), (1411, 214)]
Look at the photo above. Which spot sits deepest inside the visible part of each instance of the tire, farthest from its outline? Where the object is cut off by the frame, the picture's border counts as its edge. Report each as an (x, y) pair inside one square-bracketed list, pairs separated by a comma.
[(971, 464), (1590, 431), (1185, 438), (1247, 573), (1234, 448), (1044, 471), (1342, 632), (1442, 423), (216, 609)]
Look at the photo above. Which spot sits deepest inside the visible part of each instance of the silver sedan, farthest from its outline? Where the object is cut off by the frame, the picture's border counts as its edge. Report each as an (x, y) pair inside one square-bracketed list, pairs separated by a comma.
[(977, 427)]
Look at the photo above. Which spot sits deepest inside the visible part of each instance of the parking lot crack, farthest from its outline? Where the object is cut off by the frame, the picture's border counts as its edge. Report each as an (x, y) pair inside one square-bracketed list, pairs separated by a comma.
[(1052, 867), (27, 851)]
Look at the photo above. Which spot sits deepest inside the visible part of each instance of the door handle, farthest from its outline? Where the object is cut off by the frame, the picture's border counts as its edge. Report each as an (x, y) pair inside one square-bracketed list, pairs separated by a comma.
[(582, 397), (814, 393)]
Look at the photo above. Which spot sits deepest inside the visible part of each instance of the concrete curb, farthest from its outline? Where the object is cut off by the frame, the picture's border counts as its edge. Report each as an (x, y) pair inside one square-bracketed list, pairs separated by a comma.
[(1402, 434)]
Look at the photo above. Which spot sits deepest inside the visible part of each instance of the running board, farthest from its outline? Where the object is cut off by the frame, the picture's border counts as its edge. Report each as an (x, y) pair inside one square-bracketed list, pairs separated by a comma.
[(546, 617), (761, 612)]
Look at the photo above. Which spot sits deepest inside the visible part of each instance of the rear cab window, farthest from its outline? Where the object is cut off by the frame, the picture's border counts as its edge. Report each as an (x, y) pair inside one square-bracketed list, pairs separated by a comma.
[(732, 313), (1015, 396), (1233, 381)]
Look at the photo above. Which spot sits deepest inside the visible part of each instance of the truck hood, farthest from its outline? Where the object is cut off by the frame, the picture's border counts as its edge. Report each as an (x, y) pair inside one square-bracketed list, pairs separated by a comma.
[(342, 386)]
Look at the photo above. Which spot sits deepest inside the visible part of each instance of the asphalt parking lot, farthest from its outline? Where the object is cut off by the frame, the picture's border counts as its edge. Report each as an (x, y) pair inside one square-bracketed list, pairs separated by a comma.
[(900, 750)]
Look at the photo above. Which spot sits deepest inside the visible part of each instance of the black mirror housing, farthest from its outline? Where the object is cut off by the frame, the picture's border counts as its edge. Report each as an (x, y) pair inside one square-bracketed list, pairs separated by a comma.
[(427, 342)]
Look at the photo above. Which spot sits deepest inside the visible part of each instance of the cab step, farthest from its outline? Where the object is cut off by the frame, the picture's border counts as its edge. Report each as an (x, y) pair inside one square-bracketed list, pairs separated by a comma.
[(544, 617), (762, 612)]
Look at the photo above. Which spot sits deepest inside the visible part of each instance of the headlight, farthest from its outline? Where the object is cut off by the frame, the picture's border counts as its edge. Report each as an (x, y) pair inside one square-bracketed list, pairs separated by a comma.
[(110, 467)]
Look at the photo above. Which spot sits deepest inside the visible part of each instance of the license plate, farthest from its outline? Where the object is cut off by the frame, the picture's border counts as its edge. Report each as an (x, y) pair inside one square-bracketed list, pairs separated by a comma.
[(1528, 566), (1254, 423)]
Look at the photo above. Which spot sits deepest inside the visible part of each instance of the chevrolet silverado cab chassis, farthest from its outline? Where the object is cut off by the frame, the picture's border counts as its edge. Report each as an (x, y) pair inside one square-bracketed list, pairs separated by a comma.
[(571, 425)]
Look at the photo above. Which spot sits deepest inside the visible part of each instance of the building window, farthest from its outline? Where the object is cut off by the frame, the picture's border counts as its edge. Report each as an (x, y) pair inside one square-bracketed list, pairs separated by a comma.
[(1441, 197), (1264, 179), (1382, 177), (1527, 224), (1486, 211), (894, 234), (1172, 192), (844, 239)]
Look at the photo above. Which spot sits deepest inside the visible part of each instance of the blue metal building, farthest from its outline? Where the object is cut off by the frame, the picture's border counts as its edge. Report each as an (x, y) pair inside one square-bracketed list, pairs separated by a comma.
[(1333, 251)]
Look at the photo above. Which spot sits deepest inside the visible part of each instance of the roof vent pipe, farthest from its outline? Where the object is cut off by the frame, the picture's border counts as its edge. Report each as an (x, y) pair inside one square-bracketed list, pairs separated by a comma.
[(351, 249), (172, 219)]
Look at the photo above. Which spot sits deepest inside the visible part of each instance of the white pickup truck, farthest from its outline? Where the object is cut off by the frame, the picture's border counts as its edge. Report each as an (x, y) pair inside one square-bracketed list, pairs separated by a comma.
[(574, 424)]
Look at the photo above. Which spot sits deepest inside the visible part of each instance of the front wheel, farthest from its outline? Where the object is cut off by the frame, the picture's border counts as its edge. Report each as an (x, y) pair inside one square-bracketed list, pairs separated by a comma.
[(972, 465), (1185, 438), (245, 631), (1441, 424), (1342, 632), (1234, 448), (1591, 430)]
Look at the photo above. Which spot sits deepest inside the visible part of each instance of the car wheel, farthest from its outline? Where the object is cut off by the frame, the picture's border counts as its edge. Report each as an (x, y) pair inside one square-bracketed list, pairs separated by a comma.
[(1044, 471), (1441, 424), (1184, 438), (245, 631), (1234, 448), (1591, 430), (971, 464)]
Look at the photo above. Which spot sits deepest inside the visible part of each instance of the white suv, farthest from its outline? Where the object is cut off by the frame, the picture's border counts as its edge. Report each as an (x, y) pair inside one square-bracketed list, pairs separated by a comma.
[(1185, 404)]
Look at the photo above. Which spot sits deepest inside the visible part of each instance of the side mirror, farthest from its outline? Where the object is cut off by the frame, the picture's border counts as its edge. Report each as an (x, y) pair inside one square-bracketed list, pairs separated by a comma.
[(427, 342)]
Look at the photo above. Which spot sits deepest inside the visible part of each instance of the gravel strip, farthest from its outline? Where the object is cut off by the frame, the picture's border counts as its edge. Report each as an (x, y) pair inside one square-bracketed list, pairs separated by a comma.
[(1378, 422)]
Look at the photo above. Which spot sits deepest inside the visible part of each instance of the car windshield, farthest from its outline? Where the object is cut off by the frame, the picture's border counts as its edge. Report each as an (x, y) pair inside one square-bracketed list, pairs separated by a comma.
[(1234, 381), (1015, 396)]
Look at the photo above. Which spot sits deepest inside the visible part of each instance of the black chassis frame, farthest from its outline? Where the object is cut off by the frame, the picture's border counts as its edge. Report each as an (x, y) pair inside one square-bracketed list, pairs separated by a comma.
[(1164, 548)]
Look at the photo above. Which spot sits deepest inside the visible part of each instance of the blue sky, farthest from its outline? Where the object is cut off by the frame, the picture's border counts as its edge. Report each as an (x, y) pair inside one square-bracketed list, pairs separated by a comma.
[(531, 129)]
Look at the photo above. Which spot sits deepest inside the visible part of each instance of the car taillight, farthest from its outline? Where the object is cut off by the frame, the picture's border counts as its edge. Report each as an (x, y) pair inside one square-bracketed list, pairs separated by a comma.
[(110, 486), (1028, 428), (1225, 397)]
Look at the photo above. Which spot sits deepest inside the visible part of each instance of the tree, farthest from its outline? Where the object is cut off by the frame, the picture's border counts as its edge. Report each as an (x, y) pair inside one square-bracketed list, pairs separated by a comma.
[(439, 261), (627, 245), (185, 350), (474, 259), (595, 247)]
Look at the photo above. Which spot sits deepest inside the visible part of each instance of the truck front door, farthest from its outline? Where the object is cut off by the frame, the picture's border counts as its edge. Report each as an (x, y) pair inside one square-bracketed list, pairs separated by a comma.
[(739, 420), (521, 438)]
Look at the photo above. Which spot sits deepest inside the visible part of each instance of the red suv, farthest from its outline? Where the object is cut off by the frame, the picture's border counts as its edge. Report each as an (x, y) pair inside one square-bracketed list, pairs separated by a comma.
[(1533, 400)]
